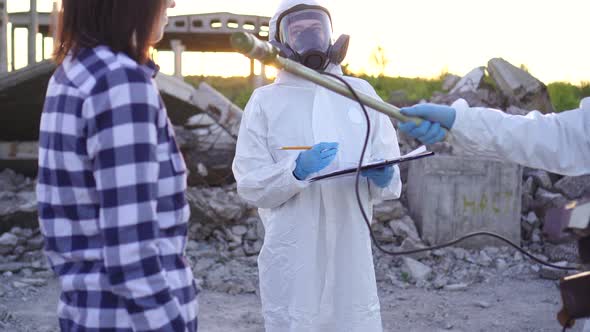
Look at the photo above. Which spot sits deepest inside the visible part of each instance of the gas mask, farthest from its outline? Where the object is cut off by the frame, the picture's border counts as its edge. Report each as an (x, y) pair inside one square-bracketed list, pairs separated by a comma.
[(304, 35)]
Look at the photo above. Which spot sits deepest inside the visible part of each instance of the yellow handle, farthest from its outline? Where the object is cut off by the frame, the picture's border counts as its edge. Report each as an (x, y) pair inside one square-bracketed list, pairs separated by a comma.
[(296, 148)]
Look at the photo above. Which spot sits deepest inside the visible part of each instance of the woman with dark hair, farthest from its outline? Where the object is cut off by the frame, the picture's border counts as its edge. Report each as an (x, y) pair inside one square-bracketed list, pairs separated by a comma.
[(111, 178)]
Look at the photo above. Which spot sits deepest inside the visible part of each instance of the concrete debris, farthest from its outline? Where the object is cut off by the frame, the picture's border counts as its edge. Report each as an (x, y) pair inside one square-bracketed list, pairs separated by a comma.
[(226, 234), (389, 210), (550, 273), (216, 204), (574, 187), (528, 187), (484, 259), (531, 218), (208, 153), (547, 199), (405, 228), (541, 179), (417, 270), (501, 264), (450, 82), (537, 236), (459, 253), (522, 89), (18, 203), (8, 240), (410, 244), (456, 287), (482, 304), (562, 252), (470, 82), (13, 267)]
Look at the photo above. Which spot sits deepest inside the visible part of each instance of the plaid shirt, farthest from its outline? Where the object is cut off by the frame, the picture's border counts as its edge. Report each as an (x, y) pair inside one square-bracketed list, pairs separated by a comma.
[(111, 199)]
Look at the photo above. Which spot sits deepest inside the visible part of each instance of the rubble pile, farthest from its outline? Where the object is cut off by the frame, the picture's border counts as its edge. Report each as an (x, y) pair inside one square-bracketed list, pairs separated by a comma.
[(226, 234), (506, 87)]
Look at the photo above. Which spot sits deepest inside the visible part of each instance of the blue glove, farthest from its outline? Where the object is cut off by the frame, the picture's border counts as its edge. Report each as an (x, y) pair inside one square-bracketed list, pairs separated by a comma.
[(314, 160), (380, 176), (435, 116)]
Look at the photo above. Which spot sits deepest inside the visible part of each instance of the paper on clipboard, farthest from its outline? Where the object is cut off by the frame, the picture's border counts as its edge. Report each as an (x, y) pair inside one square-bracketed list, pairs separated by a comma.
[(420, 152)]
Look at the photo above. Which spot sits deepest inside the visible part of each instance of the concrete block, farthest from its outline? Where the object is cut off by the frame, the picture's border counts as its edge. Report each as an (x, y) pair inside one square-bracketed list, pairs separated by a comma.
[(522, 89), (451, 196), (3, 39)]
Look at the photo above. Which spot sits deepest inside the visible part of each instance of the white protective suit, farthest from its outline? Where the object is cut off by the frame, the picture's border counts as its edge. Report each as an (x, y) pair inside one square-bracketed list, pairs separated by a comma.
[(559, 143), (316, 267)]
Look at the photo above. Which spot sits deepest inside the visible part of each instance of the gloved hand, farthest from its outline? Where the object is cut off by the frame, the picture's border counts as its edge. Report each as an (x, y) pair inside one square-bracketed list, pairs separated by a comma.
[(435, 116), (380, 176), (314, 160)]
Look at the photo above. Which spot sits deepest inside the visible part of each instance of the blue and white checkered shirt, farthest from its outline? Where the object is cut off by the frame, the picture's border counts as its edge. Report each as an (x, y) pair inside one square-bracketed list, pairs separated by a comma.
[(111, 199)]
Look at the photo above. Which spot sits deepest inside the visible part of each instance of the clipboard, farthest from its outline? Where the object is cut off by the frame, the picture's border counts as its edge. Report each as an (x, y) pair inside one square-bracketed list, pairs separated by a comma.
[(419, 153)]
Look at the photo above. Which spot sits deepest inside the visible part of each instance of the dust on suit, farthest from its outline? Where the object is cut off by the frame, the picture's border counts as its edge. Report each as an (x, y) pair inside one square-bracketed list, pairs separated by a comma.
[(315, 267)]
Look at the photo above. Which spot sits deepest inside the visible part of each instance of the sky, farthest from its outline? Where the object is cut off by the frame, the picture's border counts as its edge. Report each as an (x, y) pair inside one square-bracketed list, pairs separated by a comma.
[(422, 38)]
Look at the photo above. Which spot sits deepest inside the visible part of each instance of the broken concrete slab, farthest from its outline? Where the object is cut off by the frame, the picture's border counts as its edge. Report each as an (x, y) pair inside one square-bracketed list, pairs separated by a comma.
[(21, 156), (417, 270), (208, 152), (410, 244), (473, 89), (541, 179), (550, 273), (22, 94), (18, 203), (470, 82), (574, 186), (546, 199), (226, 113), (521, 88), (388, 210), (184, 101), (206, 130), (404, 228), (216, 205), (450, 82)]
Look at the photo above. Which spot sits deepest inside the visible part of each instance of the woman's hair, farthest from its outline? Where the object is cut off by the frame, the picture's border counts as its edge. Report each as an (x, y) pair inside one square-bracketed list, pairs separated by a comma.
[(123, 25)]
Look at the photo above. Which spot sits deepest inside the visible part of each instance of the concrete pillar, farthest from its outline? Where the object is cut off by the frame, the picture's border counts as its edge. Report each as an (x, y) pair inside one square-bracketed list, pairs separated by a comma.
[(263, 70), (3, 41), (177, 48), (251, 68), (54, 22), (33, 29), (12, 49), (43, 48)]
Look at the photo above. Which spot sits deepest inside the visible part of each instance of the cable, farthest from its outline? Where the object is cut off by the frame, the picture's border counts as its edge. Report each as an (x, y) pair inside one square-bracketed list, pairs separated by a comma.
[(444, 245)]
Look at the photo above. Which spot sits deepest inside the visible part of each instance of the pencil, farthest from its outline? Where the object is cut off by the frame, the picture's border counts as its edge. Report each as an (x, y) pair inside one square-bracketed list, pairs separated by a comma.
[(295, 148)]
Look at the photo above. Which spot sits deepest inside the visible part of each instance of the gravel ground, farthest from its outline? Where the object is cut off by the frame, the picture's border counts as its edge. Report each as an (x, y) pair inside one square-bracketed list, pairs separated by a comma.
[(523, 303)]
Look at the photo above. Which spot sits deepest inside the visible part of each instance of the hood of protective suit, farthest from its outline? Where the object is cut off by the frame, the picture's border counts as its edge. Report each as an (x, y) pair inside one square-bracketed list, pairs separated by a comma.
[(283, 7), (585, 104)]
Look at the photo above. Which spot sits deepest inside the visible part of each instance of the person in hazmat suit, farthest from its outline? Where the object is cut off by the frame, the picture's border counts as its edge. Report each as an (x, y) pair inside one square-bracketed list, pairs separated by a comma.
[(558, 143), (315, 267)]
